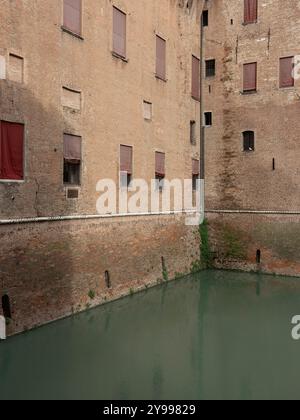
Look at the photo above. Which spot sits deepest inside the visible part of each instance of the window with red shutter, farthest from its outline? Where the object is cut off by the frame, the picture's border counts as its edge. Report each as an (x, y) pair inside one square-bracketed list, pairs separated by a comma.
[(72, 15), (286, 72), (160, 58), (250, 77), (196, 78), (119, 32), (250, 11), (11, 151)]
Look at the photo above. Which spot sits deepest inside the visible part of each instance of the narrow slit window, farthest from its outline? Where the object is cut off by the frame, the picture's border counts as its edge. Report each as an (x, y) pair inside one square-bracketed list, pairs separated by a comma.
[(193, 126), (196, 78), (161, 58)]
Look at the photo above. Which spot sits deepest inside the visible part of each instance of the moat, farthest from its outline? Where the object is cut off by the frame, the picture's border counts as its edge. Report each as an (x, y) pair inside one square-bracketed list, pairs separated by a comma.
[(214, 335)]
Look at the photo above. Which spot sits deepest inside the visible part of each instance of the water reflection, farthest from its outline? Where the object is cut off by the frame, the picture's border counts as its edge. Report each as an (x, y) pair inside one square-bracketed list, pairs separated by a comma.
[(205, 337)]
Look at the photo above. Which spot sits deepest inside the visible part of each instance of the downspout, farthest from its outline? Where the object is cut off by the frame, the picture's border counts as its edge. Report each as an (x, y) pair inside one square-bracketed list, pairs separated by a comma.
[(202, 127)]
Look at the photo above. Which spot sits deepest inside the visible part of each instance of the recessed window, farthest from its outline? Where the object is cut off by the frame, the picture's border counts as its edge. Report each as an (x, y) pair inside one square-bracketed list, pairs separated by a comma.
[(71, 99), (11, 151), (250, 11), (16, 69), (160, 58), (195, 173), (193, 137), (126, 166), (119, 33), (6, 308), (195, 78), (249, 141), (72, 159), (72, 16), (210, 68), (250, 77), (286, 72), (147, 110), (160, 170), (208, 119), (205, 18)]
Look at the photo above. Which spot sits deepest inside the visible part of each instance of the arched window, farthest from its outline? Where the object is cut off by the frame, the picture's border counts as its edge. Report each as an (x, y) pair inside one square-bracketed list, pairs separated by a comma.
[(249, 141), (6, 306)]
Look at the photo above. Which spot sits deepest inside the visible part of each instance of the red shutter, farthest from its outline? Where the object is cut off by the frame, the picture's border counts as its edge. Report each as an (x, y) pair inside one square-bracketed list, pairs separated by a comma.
[(250, 77), (250, 11), (119, 32), (196, 167), (160, 58), (126, 153), (11, 151), (160, 161), (72, 148), (286, 72), (196, 78), (72, 15)]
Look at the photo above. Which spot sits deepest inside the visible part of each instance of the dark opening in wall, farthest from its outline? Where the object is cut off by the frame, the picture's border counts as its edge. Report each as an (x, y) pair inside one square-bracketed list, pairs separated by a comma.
[(258, 256), (107, 279), (205, 18), (6, 306), (273, 165)]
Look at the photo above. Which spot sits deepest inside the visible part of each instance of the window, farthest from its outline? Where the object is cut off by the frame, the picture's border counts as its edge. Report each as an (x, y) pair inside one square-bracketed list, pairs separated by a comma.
[(160, 172), (196, 78), (16, 68), (11, 151), (126, 164), (208, 119), (249, 141), (71, 99), (72, 16), (72, 159), (195, 173), (160, 58), (210, 68), (147, 110), (250, 11), (193, 132), (6, 307), (286, 72), (119, 33), (205, 18), (250, 77)]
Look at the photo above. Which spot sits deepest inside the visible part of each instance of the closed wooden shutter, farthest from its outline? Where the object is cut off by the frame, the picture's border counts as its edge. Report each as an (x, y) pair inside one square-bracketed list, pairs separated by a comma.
[(250, 77), (126, 153), (160, 162), (72, 15), (196, 78), (286, 72), (250, 11), (119, 32), (160, 58), (72, 148), (11, 151)]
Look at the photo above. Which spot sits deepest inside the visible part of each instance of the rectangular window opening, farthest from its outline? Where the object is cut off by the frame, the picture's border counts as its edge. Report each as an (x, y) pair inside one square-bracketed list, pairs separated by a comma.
[(72, 159)]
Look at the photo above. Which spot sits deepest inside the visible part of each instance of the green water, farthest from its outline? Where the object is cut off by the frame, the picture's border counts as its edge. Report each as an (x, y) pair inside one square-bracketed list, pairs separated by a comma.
[(215, 335)]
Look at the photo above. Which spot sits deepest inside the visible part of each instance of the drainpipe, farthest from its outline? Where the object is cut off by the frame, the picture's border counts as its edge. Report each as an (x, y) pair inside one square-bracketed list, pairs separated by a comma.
[(202, 127)]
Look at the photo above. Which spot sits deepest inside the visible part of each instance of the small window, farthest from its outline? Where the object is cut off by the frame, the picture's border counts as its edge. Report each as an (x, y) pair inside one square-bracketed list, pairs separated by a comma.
[(119, 32), (147, 110), (195, 78), (16, 69), (6, 307), (193, 126), (160, 58), (72, 16), (249, 141), (160, 171), (126, 166), (205, 18), (72, 159), (286, 72), (250, 11), (71, 99), (11, 151), (208, 120), (250, 77), (210, 68), (195, 173)]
